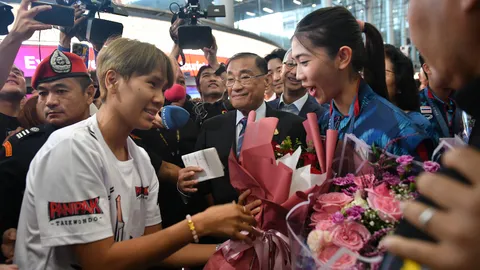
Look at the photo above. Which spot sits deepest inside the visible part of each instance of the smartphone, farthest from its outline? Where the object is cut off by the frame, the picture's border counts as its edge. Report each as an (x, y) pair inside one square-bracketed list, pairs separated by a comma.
[(58, 15)]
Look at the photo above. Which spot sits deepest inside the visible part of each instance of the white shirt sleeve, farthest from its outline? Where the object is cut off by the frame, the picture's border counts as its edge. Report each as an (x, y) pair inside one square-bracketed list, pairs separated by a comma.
[(153, 216), (70, 197)]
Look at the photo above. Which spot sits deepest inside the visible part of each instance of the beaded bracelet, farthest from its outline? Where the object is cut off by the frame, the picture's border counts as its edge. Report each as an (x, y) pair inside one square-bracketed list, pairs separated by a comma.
[(192, 228)]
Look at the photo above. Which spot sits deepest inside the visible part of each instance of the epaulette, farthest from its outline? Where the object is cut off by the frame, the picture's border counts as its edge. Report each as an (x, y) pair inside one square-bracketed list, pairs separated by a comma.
[(21, 135), (7, 150)]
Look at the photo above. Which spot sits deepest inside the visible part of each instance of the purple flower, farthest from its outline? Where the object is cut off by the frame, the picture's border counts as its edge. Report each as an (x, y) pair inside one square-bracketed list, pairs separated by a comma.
[(350, 191), (410, 179), (401, 169), (355, 212), (391, 179), (431, 167), (338, 218), (404, 160), (344, 181)]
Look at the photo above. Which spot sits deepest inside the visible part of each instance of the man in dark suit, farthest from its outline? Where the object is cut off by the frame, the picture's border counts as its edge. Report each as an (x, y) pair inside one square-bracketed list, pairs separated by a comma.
[(295, 98), (247, 79)]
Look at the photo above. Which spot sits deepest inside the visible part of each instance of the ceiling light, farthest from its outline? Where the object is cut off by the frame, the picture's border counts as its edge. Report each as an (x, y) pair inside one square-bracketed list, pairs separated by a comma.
[(267, 10), (361, 10), (349, 7), (314, 5), (250, 13), (239, 0), (297, 2)]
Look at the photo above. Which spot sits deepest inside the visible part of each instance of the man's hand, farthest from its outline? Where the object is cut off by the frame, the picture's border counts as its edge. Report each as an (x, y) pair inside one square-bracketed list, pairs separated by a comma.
[(253, 207), (25, 24), (174, 29), (157, 122), (65, 39), (211, 54), (186, 182), (8, 244), (455, 225)]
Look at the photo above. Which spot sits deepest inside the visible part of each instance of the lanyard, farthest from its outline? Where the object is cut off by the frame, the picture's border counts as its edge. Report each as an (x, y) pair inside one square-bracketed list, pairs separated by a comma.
[(168, 146), (438, 115), (353, 113)]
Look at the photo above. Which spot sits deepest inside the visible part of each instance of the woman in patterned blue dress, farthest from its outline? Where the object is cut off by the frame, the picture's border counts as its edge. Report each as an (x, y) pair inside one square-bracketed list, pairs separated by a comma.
[(402, 90), (331, 54)]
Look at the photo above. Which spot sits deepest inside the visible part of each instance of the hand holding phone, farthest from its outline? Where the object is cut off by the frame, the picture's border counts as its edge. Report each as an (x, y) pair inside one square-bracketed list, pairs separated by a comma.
[(57, 15), (25, 24)]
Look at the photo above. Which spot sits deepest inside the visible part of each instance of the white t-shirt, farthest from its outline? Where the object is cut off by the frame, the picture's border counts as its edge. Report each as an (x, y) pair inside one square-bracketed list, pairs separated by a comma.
[(79, 192)]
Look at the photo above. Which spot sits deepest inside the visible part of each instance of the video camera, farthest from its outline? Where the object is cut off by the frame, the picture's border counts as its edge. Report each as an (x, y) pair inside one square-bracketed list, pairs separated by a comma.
[(192, 35), (93, 30)]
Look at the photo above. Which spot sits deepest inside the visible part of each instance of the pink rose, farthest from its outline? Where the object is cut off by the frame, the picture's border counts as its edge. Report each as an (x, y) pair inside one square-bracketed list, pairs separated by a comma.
[(364, 181), (322, 221), (387, 207), (347, 261), (382, 190), (351, 235), (332, 202), (431, 167)]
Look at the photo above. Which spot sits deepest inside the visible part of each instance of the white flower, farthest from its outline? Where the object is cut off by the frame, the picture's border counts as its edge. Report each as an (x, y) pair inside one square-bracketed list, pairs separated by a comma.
[(318, 239)]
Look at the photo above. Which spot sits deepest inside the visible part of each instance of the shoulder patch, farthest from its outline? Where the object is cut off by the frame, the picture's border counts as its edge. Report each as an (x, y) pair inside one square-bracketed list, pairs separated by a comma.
[(8, 149), (27, 132), (92, 133)]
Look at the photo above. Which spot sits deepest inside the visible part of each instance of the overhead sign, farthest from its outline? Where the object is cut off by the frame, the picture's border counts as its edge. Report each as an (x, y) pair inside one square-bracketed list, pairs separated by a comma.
[(29, 56)]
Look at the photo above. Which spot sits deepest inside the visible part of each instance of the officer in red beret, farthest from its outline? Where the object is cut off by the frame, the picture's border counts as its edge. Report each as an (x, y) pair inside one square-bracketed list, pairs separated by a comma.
[(65, 92)]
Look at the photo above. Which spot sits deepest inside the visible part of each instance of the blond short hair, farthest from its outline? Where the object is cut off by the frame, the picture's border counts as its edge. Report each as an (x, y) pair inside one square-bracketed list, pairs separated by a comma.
[(130, 58)]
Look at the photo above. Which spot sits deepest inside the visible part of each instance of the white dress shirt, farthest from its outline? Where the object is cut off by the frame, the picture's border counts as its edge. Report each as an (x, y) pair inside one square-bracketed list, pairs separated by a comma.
[(299, 103), (273, 97)]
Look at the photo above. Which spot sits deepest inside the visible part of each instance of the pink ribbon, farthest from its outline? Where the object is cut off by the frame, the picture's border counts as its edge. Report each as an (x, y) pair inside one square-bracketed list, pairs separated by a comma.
[(272, 249)]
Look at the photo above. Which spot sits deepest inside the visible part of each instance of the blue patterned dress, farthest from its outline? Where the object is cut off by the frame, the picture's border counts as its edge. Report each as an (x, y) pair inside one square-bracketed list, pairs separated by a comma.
[(375, 120)]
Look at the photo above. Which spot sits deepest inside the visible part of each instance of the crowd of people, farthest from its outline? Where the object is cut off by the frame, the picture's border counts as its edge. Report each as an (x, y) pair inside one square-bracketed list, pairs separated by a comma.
[(91, 176)]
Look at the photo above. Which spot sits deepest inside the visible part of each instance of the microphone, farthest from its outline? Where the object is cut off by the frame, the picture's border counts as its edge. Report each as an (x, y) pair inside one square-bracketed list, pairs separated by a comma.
[(174, 117)]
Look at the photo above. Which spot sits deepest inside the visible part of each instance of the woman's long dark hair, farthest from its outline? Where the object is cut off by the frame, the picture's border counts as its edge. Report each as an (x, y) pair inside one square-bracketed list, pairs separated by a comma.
[(334, 27), (28, 116), (406, 93)]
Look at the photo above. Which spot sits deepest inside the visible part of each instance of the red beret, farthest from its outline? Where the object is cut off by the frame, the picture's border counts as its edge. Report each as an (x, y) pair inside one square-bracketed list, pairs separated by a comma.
[(57, 66), (176, 93)]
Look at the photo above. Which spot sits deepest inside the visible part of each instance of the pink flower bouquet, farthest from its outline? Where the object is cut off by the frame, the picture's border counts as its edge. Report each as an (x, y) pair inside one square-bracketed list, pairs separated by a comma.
[(281, 177), (342, 229)]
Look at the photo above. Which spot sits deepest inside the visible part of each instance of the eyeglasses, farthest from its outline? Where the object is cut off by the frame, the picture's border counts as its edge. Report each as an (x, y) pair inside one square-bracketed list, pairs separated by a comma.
[(290, 64), (245, 80), (389, 71)]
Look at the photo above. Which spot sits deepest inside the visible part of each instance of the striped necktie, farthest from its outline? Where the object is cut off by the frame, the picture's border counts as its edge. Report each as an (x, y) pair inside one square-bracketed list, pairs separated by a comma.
[(243, 122)]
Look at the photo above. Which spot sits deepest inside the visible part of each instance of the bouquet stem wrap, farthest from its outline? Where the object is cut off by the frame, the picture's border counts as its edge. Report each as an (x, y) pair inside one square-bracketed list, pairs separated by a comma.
[(257, 170)]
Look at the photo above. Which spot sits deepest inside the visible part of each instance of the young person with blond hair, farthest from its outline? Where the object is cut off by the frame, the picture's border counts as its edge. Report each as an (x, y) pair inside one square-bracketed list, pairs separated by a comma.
[(91, 195)]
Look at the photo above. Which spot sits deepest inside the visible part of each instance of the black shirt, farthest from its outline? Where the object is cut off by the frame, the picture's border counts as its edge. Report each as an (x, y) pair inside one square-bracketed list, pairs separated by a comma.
[(7, 125), (467, 99), (15, 157)]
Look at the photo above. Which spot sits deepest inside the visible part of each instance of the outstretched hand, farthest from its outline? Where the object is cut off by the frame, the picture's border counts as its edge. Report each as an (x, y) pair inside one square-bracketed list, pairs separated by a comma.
[(25, 24)]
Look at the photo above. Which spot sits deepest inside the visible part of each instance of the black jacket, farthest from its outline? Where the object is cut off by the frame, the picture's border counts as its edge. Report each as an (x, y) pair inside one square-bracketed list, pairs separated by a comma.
[(220, 132)]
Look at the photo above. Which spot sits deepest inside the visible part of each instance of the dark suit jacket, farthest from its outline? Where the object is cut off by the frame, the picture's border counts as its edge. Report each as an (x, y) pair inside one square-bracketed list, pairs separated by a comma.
[(311, 105), (220, 132)]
